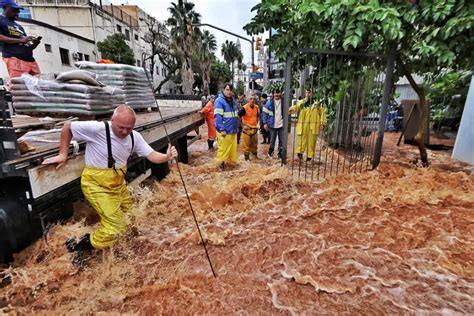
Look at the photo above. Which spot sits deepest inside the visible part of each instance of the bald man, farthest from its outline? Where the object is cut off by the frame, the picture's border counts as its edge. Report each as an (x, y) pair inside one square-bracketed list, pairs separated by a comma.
[(108, 148)]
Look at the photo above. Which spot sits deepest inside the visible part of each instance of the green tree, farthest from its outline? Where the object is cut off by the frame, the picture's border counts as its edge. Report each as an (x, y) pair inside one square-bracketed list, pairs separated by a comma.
[(220, 73), (427, 35), (115, 48), (207, 47), (231, 53), (184, 37), (158, 39), (447, 93), (240, 88)]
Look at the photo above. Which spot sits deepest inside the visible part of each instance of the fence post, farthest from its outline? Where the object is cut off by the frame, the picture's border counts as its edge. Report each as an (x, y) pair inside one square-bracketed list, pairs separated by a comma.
[(384, 108), (286, 106)]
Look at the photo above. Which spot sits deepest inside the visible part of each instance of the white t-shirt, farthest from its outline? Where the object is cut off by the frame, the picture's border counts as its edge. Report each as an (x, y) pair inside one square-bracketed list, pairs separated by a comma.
[(278, 117), (93, 133)]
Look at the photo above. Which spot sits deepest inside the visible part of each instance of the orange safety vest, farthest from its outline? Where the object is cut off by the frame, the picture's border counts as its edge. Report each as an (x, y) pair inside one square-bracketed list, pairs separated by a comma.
[(251, 115)]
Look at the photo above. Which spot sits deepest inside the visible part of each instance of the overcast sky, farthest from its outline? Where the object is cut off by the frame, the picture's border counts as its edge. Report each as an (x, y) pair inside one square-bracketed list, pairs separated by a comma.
[(231, 15)]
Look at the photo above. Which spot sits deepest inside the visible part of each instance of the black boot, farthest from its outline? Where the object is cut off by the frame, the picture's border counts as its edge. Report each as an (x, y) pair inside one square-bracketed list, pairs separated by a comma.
[(210, 144), (246, 157), (82, 244), (300, 156)]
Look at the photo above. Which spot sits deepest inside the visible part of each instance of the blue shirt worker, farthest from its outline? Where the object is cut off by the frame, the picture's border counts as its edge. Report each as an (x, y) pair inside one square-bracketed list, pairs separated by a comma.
[(227, 125), (273, 121)]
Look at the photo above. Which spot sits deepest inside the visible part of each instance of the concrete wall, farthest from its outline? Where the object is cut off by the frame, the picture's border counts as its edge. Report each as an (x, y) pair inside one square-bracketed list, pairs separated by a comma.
[(75, 19), (463, 148)]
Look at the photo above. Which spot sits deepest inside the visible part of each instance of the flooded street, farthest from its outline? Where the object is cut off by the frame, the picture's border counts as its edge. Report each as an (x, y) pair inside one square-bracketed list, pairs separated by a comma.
[(396, 240)]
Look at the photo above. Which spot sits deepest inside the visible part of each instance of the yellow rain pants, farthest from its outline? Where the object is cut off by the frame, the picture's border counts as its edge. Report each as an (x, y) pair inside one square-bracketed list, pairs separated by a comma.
[(249, 140), (308, 128), (106, 191), (226, 148), (302, 132)]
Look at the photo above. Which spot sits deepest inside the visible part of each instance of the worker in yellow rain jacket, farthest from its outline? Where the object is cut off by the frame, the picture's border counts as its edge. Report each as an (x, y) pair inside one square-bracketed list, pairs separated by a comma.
[(108, 148), (311, 117), (317, 121), (249, 115)]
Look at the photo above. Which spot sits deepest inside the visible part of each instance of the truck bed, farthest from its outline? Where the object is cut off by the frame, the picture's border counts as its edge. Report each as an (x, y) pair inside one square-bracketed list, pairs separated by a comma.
[(48, 144)]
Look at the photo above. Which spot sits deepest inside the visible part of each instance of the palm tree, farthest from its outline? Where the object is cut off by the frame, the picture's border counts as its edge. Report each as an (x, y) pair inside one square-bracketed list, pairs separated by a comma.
[(208, 46), (183, 36), (231, 52)]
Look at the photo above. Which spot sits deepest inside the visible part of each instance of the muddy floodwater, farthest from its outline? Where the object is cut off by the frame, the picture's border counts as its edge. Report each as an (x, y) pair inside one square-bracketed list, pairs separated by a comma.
[(397, 240)]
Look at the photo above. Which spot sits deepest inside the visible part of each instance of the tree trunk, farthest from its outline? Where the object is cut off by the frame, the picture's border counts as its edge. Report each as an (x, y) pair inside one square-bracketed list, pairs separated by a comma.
[(206, 73), (187, 74), (232, 80), (420, 135), (187, 77)]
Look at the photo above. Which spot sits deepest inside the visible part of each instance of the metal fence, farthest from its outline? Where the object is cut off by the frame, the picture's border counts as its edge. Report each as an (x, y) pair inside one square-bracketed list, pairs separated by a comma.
[(335, 105)]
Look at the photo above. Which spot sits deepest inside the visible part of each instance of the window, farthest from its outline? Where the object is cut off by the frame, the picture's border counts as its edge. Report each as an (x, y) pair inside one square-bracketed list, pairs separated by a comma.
[(80, 56), (127, 34), (86, 57), (157, 70), (64, 56), (119, 28), (136, 37), (25, 13), (47, 48), (138, 63)]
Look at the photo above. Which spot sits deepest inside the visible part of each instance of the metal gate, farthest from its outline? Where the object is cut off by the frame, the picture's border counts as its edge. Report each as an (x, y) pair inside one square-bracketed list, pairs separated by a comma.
[(335, 104)]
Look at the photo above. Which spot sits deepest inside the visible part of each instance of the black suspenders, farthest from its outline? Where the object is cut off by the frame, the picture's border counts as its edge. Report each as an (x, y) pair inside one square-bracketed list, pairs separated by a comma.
[(110, 158)]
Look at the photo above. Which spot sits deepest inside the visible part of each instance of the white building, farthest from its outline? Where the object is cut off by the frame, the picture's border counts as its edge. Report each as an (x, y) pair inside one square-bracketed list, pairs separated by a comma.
[(404, 90), (71, 30)]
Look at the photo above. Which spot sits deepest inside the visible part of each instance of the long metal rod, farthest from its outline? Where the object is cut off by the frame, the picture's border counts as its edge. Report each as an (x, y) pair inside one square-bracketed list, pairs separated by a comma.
[(286, 104), (182, 181), (373, 123), (325, 104), (383, 110)]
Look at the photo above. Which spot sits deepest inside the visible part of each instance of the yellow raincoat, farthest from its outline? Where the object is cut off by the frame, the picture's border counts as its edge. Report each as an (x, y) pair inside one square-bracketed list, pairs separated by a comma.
[(308, 126), (106, 191)]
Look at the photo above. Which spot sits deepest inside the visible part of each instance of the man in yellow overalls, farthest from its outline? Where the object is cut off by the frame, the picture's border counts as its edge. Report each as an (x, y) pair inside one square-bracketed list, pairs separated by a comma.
[(249, 115), (312, 116), (108, 147)]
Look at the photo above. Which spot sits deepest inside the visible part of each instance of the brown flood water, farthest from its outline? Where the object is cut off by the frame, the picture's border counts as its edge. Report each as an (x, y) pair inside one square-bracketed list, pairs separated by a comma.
[(398, 240)]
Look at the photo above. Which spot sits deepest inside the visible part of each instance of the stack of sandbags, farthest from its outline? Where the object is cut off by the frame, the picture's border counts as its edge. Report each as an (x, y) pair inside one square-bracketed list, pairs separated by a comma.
[(76, 92), (130, 79)]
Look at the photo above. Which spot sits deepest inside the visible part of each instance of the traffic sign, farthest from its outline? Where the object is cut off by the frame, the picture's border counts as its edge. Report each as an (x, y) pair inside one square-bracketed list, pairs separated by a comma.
[(256, 75)]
